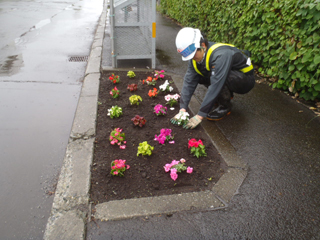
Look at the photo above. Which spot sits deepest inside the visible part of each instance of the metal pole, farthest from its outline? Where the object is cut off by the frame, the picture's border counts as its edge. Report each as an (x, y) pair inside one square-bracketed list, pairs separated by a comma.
[(153, 46)]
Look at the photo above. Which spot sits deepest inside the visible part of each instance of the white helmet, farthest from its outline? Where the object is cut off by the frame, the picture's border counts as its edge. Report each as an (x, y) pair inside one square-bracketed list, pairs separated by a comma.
[(187, 42)]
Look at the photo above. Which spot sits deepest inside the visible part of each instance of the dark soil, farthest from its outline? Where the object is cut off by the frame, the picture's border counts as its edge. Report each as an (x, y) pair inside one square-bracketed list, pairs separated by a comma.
[(146, 176)]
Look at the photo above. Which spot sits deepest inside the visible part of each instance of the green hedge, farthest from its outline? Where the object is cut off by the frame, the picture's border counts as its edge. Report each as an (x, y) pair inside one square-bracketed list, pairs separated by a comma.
[(282, 35)]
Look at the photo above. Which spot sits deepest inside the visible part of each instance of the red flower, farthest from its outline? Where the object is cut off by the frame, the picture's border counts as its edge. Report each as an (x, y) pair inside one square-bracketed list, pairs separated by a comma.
[(194, 143)]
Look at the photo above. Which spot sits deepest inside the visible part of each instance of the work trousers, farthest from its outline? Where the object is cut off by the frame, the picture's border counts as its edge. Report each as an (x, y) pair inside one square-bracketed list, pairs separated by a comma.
[(236, 82)]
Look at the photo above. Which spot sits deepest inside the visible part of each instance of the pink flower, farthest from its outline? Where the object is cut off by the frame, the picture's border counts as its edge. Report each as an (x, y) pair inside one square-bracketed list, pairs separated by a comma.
[(161, 76), (111, 92), (171, 142), (115, 173), (174, 162), (116, 134), (167, 167), (173, 170), (182, 160), (123, 147), (111, 137), (189, 169), (124, 142), (128, 166), (112, 142), (173, 174)]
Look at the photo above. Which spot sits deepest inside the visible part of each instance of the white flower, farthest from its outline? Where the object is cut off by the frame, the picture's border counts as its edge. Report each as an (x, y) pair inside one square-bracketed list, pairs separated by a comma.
[(170, 89), (164, 86), (176, 96), (167, 97), (172, 108)]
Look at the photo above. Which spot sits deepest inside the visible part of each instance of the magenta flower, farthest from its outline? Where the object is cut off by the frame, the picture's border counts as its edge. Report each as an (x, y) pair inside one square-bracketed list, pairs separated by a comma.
[(160, 110), (165, 135)]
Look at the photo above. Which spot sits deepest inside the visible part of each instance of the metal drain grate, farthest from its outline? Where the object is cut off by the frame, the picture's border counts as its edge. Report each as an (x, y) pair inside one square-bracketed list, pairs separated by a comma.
[(78, 59)]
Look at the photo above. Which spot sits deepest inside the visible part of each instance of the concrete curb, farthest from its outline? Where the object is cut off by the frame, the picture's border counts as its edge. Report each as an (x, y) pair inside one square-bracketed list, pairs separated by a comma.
[(70, 206)]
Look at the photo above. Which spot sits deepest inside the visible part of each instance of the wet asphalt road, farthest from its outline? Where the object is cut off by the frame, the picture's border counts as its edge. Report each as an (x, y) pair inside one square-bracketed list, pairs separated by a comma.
[(278, 137), (39, 91)]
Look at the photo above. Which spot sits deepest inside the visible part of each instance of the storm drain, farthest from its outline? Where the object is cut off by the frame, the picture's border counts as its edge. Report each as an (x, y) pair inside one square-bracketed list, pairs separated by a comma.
[(78, 59)]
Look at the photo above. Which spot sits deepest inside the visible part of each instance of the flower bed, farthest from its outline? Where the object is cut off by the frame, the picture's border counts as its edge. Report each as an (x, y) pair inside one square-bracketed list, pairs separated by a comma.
[(147, 175)]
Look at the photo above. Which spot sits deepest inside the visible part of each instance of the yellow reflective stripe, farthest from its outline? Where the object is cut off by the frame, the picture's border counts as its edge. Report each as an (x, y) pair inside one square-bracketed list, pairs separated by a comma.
[(211, 49), (247, 69), (195, 67)]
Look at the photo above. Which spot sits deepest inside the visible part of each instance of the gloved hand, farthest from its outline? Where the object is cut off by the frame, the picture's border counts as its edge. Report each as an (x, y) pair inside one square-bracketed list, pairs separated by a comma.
[(174, 120), (193, 122)]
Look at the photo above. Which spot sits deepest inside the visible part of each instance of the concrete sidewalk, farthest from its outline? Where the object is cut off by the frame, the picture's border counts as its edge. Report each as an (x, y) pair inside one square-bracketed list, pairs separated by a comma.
[(267, 147)]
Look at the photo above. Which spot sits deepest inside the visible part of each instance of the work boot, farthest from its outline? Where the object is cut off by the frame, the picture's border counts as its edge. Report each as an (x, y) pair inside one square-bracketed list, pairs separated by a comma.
[(219, 112), (224, 105)]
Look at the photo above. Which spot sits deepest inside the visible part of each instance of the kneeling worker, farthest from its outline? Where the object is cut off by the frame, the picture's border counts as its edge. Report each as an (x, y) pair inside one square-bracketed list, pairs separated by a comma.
[(221, 67)]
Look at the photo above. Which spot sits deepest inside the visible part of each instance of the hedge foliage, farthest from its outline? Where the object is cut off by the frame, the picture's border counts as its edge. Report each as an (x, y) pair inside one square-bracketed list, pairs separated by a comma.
[(282, 35)]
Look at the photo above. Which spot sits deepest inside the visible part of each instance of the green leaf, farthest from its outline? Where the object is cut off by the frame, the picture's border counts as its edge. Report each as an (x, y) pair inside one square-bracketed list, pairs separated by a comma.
[(317, 87), (300, 66), (309, 40), (316, 59), (307, 57), (291, 68), (293, 56)]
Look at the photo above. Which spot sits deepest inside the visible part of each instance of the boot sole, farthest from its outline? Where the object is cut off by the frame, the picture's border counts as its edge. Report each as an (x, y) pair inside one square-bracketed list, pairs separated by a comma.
[(212, 119)]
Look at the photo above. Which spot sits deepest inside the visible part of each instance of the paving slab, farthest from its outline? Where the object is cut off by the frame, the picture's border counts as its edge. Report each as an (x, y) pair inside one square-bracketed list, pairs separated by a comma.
[(129, 208)]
